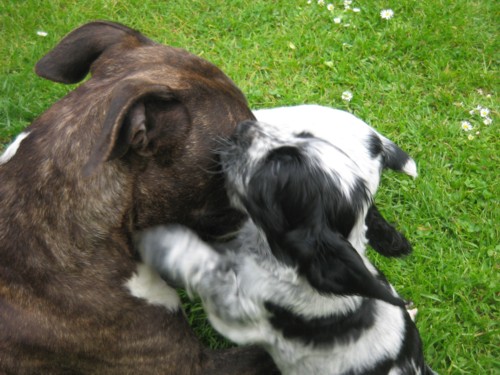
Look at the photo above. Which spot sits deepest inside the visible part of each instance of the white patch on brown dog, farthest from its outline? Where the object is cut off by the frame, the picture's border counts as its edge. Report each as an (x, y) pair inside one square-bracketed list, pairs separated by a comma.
[(12, 149), (148, 285)]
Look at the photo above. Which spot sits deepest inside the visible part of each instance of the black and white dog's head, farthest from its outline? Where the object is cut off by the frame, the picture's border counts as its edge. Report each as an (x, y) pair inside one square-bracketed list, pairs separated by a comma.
[(310, 198), (370, 150)]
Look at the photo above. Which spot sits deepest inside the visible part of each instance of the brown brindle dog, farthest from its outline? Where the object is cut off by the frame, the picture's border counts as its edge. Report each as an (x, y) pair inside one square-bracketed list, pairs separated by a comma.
[(130, 148)]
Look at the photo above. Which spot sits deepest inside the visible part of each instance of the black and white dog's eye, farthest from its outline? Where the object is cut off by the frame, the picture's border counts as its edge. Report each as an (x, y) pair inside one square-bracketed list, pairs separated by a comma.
[(304, 135)]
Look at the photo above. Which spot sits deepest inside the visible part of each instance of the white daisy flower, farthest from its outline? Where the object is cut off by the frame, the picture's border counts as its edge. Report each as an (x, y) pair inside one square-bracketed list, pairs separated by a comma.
[(387, 14), (42, 33), (347, 96), (466, 126), (330, 7), (356, 10), (321, 2), (487, 121), (337, 20), (484, 112)]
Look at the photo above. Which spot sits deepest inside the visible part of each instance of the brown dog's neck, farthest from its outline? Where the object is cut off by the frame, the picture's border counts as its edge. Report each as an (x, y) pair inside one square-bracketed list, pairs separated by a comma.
[(51, 205)]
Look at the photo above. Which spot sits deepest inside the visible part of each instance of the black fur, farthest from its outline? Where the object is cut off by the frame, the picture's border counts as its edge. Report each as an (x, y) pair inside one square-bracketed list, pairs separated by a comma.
[(375, 146), (383, 237), (333, 329), (395, 159), (286, 192), (336, 267)]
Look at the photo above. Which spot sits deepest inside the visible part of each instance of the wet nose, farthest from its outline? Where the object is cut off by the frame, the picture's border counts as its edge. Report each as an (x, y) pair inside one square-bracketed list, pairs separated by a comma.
[(244, 127), (243, 135)]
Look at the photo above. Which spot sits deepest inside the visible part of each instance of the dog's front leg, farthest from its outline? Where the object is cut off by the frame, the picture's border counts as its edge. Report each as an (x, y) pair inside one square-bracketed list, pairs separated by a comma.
[(178, 255), (184, 260)]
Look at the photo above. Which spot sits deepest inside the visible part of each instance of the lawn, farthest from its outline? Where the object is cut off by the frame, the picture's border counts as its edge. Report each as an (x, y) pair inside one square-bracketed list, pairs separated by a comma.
[(427, 77)]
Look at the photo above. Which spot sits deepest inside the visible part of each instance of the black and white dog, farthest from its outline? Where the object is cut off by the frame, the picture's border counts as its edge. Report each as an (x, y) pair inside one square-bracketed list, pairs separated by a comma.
[(295, 279)]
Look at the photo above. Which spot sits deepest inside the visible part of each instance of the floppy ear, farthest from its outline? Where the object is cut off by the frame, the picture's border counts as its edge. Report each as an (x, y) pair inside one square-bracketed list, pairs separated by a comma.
[(332, 265), (125, 126), (70, 60)]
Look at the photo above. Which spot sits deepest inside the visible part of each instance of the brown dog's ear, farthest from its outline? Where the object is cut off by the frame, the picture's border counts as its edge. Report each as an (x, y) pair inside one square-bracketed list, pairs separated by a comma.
[(70, 60), (125, 123)]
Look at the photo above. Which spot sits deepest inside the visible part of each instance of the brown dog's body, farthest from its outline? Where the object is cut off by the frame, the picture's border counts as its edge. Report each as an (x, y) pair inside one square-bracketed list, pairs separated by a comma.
[(128, 149)]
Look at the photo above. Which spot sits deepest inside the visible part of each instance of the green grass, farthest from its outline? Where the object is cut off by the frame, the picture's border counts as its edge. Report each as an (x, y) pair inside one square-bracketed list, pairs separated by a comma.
[(414, 77)]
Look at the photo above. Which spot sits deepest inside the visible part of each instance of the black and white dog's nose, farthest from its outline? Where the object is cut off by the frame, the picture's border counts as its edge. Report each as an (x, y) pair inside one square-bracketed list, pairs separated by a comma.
[(244, 128), (245, 131)]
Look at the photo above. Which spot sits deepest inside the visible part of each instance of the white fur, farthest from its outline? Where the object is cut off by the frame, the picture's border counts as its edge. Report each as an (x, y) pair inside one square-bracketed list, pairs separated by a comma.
[(148, 285), (411, 168), (11, 150), (340, 128), (413, 313)]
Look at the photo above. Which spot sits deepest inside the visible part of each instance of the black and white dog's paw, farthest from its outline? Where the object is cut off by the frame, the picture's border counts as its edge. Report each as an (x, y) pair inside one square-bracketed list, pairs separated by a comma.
[(160, 248), (176, 253), (411, 310)]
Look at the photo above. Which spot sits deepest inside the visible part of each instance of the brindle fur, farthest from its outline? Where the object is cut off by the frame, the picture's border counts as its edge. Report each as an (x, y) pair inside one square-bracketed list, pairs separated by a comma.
[(128, 149)]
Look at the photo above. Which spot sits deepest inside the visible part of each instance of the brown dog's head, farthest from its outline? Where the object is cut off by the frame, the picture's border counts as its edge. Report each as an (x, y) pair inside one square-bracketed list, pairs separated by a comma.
[(152, 112)]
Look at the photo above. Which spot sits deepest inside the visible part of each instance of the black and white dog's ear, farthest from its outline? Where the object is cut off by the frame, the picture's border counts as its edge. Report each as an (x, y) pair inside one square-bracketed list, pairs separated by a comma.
[(336, 267)]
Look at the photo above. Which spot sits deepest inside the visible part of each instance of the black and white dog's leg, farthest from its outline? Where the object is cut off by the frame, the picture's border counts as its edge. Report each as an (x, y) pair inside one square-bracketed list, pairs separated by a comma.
[(184, 260), (383, 237), (178, 255)]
